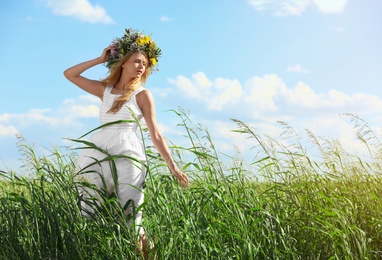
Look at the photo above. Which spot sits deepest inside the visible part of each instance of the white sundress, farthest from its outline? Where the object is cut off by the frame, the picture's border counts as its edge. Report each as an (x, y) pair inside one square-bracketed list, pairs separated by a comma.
[(116, 139)]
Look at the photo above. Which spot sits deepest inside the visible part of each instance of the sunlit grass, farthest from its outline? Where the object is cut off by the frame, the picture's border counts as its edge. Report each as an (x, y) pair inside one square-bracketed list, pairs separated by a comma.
[(285, 204)]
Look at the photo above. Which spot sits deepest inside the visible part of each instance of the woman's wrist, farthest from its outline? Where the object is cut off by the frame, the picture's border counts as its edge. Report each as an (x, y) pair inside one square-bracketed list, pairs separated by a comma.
[(172, 167), (99, 60)]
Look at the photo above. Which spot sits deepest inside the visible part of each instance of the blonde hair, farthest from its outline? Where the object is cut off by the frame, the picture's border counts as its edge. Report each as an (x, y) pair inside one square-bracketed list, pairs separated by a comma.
[(115, 72)]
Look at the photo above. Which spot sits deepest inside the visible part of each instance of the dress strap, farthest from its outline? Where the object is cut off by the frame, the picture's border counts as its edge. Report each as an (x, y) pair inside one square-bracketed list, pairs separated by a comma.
[(133, 97), (108, 89), (136, 92)]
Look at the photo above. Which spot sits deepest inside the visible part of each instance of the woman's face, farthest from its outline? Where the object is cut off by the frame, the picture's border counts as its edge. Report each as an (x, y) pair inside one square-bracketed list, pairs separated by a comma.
[(135, 66)]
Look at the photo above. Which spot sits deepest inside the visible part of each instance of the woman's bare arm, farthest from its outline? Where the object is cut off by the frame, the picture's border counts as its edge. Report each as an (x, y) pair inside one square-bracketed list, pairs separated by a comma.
[(94, 87), (146, 103)]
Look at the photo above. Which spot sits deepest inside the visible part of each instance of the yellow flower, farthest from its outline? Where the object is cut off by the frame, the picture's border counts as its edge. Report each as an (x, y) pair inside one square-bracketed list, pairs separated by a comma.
[(153, 61), (144, 40)]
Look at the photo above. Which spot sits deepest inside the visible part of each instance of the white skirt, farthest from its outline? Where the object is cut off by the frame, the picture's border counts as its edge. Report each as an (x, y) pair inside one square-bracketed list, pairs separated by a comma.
[(123, 176)]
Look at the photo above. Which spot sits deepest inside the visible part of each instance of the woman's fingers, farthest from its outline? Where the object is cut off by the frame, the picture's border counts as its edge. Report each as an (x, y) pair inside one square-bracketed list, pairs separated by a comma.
[(183, 179), (106, 53)]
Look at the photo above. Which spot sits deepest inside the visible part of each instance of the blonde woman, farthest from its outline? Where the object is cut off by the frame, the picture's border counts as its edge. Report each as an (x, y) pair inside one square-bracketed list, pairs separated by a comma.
[(130, 60)]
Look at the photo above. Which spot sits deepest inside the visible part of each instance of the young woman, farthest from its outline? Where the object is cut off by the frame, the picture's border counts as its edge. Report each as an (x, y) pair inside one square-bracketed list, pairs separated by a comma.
[(130, 60)]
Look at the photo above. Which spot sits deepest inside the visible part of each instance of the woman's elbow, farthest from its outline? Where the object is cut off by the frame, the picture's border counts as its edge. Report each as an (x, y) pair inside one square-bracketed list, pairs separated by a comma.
[(157, 138), (66, 74)]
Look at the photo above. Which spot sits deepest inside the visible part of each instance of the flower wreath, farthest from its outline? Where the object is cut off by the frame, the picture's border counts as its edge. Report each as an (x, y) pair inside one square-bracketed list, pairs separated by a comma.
[(133, 41)]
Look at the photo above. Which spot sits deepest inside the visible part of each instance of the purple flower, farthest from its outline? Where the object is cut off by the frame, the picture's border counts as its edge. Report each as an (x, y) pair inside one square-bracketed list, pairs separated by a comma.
[(114, 53)]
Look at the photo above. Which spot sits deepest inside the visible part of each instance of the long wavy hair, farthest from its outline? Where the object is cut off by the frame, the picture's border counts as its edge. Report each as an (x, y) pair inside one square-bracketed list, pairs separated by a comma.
[(115, 72)]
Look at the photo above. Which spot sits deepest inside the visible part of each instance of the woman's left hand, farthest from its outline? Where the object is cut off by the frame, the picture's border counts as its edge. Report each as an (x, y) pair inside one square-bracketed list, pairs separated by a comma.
[(181, 177)]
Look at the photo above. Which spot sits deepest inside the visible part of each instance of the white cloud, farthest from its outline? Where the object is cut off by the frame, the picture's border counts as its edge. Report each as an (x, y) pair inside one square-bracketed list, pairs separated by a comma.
[(225, 138), (35, 117), (161, 92), (335, 128), (337, 29), (216, 94), (297, 69), (292, 7), (280, 7), (165, 19), (186, 86), (302, 95), (80, 9), (201, 80), (8, 131), (328, 129), (85, 111), (5, 117), (230, 92), (269, 94), (163, 128), (66, 115), (261, 93), (297, 7), (331, 6), (84, 106), (29, 18)]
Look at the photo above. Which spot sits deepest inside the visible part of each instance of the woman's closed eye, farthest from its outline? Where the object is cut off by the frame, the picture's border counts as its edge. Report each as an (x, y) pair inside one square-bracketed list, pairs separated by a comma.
[(140, 61)]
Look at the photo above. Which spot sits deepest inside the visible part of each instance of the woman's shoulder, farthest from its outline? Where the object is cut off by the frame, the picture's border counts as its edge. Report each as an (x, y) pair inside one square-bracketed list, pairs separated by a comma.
[(144, 97), (143, 92), (139, 90)]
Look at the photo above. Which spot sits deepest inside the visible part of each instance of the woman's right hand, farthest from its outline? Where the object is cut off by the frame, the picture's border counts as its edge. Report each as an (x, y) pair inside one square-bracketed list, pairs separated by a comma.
[(106, 53)]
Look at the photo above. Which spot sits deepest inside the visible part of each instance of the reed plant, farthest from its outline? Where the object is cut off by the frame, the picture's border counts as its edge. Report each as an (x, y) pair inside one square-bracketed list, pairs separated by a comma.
[(282, 204)]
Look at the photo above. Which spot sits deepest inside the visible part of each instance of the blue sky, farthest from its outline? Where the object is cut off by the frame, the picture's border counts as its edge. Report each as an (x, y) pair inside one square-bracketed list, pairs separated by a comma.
[(303, 62)]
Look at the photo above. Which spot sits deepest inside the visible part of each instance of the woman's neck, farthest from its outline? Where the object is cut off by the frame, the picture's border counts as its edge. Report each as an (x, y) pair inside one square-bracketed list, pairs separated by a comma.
[(123, 82), (119, 86)]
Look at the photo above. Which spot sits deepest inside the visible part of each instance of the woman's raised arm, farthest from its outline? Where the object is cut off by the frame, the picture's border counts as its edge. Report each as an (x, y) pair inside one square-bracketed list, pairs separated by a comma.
[(94, 87)]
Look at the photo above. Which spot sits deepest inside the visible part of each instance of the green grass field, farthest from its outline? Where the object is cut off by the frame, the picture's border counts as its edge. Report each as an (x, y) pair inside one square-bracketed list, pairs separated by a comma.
[(285, 204)]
